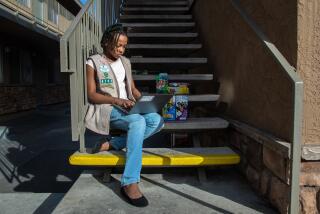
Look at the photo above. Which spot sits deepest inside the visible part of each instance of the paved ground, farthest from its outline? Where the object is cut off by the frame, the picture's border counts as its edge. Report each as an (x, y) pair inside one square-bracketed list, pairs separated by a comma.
[(35, 175), (34, 149), (174, 191), (27, 203)]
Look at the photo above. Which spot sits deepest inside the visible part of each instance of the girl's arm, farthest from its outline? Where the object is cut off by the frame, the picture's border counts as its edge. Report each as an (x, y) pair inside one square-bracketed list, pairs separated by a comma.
[(135, 92), (97, 98)]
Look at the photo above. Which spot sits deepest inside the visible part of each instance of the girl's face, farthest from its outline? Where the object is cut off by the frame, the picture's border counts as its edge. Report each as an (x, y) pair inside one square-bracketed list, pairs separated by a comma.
[(120, 47)]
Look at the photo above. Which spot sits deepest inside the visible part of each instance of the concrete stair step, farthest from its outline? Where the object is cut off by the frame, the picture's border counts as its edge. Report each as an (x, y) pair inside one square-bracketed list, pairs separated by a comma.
[(156, 3), (183, 77), (201, 97), (155, 18), (162, 157), (196, 124), (172, 27), (162, 49), (155, 10), (162, 38), (166, 63)]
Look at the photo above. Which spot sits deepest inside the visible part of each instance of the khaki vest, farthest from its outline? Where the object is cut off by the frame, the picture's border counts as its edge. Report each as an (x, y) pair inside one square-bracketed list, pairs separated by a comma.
[(97, 117)]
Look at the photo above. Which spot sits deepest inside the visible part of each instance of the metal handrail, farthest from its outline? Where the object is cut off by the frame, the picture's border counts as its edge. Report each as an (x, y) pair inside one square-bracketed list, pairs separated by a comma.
[(297, 106), (81, 40)]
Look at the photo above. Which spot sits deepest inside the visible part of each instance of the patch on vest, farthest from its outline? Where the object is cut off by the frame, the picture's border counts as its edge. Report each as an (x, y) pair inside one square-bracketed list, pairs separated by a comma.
[(106, 75), (106, 83), (104, 68)]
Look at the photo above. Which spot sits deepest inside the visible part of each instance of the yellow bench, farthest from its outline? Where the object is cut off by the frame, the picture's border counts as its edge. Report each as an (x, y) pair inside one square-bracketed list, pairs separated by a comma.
[(162, 157)]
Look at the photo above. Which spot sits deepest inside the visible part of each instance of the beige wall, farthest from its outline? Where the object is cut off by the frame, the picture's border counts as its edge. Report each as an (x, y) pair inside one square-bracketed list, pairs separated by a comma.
[(278, 20), (252, 84), (309, 66)]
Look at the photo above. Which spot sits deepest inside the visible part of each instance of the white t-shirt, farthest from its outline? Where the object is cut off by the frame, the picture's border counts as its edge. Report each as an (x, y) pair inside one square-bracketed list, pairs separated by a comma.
[(120, 74)]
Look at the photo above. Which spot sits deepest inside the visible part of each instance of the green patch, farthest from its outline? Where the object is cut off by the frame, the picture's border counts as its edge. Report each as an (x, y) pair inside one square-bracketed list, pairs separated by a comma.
[(104, 68), (105, 81)]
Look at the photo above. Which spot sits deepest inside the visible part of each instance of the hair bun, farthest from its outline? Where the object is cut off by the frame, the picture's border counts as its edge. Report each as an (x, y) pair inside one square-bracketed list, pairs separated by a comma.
[(114, 27)]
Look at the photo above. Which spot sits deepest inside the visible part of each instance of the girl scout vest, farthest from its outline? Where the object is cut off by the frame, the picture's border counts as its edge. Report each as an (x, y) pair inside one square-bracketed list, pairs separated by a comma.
[(97, 118)]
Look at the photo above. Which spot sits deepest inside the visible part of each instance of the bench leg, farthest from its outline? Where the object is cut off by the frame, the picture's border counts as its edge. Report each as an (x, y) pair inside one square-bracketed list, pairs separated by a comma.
[(201, 171), (82, 141), (103, 175), (106, 177), (173, 139)]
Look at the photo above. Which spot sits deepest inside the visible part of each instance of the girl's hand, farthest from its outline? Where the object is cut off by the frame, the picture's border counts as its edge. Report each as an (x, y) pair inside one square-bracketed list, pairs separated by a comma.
[(124, 103)]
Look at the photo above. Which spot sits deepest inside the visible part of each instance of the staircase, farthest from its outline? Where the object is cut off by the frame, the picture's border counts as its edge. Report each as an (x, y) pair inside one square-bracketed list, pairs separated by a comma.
[(162, 38)]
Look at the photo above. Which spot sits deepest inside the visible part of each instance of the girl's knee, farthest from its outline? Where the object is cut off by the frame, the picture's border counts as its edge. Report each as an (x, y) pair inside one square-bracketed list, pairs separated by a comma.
[(137, 120), (156, 118)]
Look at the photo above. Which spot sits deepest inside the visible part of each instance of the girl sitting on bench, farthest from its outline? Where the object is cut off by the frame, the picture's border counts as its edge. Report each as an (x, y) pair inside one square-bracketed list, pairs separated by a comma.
[(110, 82)]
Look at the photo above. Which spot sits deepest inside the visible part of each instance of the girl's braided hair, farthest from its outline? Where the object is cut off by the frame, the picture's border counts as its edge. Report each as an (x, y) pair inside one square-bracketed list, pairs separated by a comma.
[(111, 35)]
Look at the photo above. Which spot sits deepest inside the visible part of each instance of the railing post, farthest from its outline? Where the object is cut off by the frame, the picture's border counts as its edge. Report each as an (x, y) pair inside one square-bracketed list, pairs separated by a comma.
[(81, 39), (296, 149), (297, 107)]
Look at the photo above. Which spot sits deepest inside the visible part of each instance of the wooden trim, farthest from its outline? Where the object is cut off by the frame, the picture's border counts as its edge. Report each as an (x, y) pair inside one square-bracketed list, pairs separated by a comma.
[(280, 146)]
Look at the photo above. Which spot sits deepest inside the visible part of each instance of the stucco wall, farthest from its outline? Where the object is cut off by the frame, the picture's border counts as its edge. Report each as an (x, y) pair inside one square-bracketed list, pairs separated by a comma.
[(252, 84), (309, 66), (278, 20)]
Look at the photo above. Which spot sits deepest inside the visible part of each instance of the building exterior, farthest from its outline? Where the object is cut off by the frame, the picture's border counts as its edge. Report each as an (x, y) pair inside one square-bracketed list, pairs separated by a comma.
[(253, 87), (259, 94), (29, 52)]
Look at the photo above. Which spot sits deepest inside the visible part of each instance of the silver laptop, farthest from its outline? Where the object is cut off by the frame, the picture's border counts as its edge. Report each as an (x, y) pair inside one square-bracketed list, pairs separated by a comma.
[(147, 103)]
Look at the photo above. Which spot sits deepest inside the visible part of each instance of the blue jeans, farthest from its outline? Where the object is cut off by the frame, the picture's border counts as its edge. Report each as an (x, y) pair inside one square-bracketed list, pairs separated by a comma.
[(138, 127)]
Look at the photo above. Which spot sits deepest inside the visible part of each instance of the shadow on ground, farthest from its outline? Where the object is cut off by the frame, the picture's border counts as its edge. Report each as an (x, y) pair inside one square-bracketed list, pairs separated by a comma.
[(224, 184), (34, 151)]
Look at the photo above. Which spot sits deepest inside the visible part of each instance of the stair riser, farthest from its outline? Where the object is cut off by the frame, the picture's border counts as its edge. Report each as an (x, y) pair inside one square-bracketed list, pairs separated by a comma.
[(154, 20), (156, 4), (165, 66), (161, 40), (128, 11), (160, 52), (156, 29), (172, 77)]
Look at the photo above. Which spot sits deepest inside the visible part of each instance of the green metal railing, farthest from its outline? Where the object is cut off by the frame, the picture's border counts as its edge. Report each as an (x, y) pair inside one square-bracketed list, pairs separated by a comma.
[(81, 40), (297, 107)]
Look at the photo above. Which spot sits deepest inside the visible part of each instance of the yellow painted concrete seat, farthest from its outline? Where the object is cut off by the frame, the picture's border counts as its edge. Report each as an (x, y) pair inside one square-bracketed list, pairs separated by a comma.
[(162, 157)]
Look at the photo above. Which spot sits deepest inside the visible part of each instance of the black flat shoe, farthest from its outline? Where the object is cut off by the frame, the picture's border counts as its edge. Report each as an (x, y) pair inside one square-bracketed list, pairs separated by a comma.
[(138, 202), (97, 146)]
